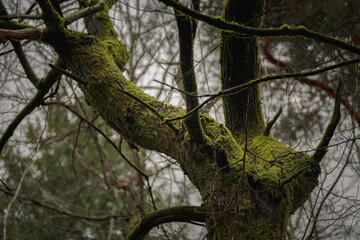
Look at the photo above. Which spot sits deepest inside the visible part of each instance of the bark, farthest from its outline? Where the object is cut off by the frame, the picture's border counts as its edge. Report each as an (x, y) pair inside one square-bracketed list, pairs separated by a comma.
[(239, 58)]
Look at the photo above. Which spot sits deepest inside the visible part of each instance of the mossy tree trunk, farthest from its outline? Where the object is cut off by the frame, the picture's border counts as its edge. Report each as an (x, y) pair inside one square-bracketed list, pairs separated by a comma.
[(250, 184)]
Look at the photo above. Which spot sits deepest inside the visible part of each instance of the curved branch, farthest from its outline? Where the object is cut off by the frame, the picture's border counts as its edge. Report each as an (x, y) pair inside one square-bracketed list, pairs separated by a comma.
[(321, 149), (174, 214), (272, 122), (284, 31)]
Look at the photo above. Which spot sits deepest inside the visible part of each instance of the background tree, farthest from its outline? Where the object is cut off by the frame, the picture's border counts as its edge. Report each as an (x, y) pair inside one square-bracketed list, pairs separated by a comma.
[(249, 183)]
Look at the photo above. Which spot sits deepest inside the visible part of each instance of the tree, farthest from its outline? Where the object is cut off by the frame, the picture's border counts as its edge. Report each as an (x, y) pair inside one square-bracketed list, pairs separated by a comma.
[(250, 183)]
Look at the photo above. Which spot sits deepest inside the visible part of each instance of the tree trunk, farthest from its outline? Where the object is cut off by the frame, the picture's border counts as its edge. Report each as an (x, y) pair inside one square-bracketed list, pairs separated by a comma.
[(239, 58)]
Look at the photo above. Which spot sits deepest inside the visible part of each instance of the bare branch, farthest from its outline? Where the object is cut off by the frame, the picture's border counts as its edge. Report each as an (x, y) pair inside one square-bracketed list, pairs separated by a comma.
[(69, 74), (284, 31), (85, 12), (44, 88), (321, 149), (28, 200), (310, 82), (272, 122)]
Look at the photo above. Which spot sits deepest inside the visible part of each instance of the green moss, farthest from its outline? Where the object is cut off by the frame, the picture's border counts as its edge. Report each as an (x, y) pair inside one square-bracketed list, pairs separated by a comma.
[(285, 26), (118, 51), (7, 24), (302, 27)]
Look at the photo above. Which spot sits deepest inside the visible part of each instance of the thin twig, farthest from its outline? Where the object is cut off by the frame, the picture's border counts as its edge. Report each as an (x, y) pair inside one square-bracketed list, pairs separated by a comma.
[(69, 74)]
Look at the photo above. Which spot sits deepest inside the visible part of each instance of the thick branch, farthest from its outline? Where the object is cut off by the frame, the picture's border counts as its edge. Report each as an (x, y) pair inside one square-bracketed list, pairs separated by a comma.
[(50, 16), (155, 218), (284, 31), (19, 16), (28, 33)]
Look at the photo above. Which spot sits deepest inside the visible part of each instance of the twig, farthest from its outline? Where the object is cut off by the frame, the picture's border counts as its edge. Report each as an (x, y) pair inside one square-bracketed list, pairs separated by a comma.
[(310, 82), (69, 74), (109, 141), (85, 12), (61, 211), (44, 87), (244, 86)]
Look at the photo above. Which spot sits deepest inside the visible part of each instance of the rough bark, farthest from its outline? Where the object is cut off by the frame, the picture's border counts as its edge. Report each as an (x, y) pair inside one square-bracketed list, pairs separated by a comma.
[(239, 58)]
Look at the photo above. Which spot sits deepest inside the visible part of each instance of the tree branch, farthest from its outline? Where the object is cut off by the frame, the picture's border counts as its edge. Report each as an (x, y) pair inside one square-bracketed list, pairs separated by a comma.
[(284, 31), (174, 214), (85, 12), (186, 30), (28, 33), (44, 87), (321, 149), (267, 78), (69, 74), (61, 211), (272, 122), (310, 82)]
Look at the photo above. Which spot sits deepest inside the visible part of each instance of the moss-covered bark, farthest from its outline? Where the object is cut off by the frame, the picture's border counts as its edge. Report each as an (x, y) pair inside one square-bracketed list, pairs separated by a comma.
[(239, 59)]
